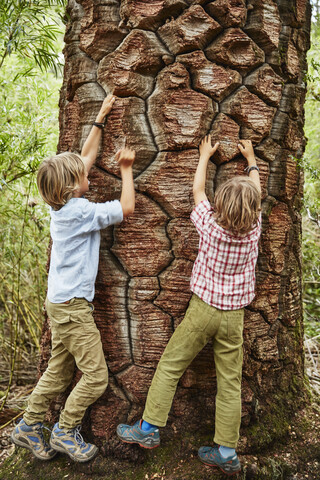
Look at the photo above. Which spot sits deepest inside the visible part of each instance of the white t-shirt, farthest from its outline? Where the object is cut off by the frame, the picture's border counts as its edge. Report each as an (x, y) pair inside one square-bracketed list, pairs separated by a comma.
[(75, 232)]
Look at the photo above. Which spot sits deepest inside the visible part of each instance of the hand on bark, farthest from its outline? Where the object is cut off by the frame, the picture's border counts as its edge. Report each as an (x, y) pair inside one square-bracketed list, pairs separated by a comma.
[(205, 147), (125, 157), (246, 148), (106, 106)]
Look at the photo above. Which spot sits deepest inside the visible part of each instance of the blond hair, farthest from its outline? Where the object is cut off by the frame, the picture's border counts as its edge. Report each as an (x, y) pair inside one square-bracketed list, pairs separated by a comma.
[(237, 205), (59, 177)]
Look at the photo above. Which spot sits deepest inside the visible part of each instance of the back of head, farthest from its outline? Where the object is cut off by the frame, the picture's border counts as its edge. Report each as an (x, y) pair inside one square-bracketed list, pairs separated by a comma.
[(237, 205), (59, 177)]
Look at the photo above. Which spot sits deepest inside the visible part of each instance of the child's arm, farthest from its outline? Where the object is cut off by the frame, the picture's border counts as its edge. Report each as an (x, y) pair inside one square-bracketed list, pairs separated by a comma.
[(199, 182), (126, 157), (90, 148), (245, 147)]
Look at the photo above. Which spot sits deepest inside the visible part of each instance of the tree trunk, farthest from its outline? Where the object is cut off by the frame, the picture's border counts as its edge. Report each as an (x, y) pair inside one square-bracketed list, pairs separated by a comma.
[(182, 69)]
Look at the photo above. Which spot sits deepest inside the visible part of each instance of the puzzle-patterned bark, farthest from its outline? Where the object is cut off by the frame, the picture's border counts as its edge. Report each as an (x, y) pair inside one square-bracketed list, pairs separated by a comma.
[(182, 69)]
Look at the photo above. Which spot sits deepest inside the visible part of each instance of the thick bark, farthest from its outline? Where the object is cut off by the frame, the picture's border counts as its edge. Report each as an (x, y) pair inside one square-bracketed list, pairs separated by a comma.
[(182, 69)]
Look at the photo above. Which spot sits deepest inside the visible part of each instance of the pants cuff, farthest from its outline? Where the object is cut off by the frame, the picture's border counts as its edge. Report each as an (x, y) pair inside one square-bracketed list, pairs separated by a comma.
[(225, 443), (68, 426), (157, 423), (32, 420)]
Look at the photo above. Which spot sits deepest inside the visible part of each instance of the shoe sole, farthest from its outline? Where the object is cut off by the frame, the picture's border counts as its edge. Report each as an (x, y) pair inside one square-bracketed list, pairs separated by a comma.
[(214, 465), (61, 449), (19, 443), (138, 443)]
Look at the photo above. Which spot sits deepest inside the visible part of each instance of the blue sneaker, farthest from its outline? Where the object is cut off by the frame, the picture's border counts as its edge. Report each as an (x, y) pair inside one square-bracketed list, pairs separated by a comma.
[(70, 441), (134, 434), (31, 437), (212, 456)]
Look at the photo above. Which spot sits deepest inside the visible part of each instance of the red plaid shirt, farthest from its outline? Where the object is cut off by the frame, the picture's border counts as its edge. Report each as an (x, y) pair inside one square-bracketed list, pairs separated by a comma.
[(223, 274)]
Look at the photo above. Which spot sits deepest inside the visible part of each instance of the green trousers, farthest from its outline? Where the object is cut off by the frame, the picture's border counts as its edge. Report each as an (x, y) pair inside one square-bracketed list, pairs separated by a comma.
[(75, 341), (201, 323)]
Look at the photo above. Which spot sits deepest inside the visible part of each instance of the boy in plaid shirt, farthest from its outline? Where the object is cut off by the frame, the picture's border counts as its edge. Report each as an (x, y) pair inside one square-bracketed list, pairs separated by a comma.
[(222, 282)]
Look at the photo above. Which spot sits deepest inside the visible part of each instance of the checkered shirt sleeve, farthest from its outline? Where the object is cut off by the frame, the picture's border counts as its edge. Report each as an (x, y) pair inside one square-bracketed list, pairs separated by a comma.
[(223, 274)]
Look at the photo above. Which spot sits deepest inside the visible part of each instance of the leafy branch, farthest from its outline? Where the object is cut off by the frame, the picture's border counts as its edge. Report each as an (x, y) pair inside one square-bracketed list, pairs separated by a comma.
[(29, 29)]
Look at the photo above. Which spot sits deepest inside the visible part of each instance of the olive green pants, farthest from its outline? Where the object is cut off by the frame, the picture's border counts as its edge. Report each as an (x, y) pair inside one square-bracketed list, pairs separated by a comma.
[(75, 341), (201, 323)]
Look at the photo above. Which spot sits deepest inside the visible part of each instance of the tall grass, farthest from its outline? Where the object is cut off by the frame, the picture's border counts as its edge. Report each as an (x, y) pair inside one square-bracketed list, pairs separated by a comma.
[(29, 91), (29, 132)]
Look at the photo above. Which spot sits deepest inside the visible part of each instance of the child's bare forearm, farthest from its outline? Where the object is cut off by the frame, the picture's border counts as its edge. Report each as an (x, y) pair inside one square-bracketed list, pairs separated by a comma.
[(254, 174), (90, 148), (126, 158), (127, 198), (199, 182), (245, 147), (91, 145)]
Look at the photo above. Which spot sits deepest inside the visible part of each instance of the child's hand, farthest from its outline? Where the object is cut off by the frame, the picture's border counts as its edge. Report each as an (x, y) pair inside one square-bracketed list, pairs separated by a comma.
[(205, 147), (125, 157), (106, 105), (245, 147)]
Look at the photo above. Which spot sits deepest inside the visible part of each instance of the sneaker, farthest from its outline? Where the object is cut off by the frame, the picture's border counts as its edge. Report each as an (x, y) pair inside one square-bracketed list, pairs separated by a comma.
[(31, 437), (212, 456), (70, 441), (134, 434)]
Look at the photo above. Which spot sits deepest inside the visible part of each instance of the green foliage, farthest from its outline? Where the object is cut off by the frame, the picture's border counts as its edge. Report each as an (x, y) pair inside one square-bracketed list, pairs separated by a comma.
[(28, 110), (311, 164), (30, 45), (29, 29)]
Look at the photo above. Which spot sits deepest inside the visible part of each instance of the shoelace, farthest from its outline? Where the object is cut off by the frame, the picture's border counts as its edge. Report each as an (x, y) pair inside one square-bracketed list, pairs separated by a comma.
[(39, 429), (78, 437)]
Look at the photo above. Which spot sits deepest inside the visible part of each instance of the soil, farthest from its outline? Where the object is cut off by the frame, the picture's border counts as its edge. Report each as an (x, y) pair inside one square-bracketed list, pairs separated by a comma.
[(295, 456)]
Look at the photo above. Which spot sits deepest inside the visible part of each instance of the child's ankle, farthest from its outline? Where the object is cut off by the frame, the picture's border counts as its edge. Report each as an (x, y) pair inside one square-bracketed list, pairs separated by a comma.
[(226, 451), (146, 426)]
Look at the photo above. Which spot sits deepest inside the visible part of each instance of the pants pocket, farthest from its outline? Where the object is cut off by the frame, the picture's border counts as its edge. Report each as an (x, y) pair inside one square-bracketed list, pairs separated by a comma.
[(58, 312), (78, 310), (198, 315), (81, 311), (235, 326)]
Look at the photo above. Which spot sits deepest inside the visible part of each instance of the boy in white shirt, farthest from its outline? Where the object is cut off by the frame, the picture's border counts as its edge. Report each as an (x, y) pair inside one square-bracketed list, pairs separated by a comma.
[(75, 231)]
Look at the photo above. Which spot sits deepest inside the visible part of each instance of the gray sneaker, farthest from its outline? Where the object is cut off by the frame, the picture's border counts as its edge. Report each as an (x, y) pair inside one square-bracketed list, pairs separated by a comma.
[(134, 434), (70, 441), (31, 437), (212, 456)]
